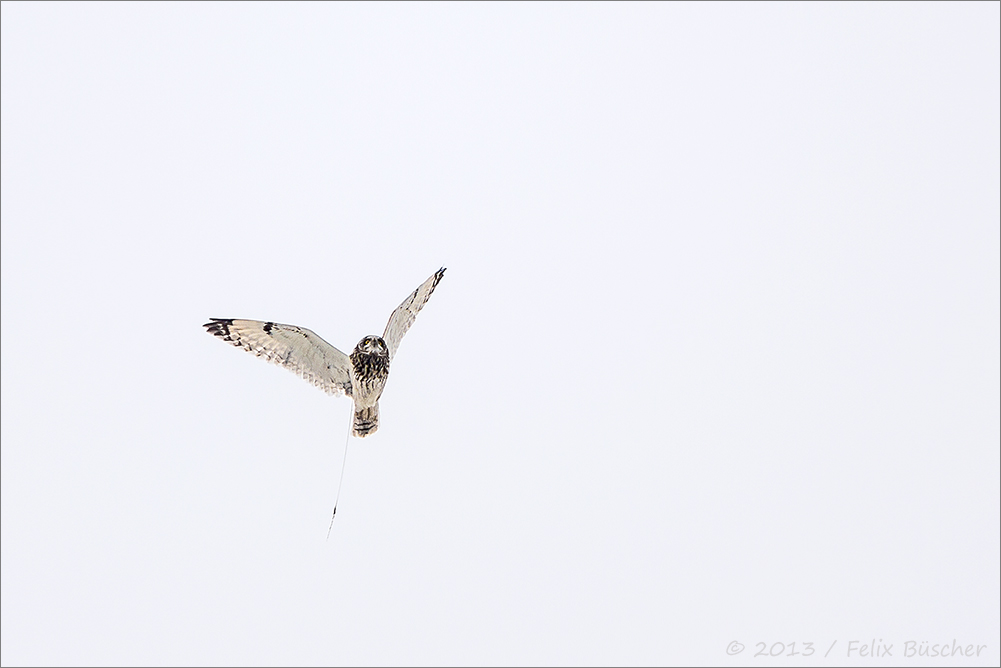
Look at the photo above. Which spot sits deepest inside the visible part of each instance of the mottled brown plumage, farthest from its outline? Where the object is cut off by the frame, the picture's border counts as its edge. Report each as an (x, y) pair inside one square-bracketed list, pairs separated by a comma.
[(370, 369)]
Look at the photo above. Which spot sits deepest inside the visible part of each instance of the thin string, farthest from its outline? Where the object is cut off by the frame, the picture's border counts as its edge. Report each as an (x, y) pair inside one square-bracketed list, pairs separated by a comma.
[(340, 483)]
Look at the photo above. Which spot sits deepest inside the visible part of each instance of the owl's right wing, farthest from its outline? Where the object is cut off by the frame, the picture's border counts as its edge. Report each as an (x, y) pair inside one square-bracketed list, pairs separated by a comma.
[(295, 348)]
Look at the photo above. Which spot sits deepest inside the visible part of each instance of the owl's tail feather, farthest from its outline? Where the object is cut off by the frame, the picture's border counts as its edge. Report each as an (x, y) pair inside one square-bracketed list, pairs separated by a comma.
[(366, 421)]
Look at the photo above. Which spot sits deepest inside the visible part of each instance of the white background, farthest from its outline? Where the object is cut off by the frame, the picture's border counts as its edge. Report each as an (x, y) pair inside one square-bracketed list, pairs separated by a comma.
[(715, 358)]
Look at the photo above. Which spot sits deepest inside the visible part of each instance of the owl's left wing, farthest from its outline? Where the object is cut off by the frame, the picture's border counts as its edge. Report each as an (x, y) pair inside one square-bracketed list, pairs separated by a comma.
[(297, 349), (406, 313)]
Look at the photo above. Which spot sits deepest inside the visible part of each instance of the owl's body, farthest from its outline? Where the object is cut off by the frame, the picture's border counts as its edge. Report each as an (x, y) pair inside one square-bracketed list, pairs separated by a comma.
[(369, 371), (361, 375)]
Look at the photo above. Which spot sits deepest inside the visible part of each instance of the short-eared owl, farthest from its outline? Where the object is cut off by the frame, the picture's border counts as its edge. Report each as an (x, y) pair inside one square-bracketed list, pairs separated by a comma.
[(360, 375)]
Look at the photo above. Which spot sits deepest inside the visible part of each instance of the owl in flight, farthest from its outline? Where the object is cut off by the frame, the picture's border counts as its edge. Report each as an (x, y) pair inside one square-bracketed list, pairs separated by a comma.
[(360, 375)]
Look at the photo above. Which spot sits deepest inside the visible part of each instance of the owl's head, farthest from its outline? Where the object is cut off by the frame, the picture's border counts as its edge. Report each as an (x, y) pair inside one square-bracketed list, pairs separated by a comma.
[(372, 345)]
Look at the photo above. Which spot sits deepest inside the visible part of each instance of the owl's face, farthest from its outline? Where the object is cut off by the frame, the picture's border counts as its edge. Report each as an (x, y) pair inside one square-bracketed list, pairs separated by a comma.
[(372, 345)]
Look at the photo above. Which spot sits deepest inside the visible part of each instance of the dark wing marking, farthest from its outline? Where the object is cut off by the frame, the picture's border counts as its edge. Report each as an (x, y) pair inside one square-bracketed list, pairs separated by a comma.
[(295, 348), (405, 313)]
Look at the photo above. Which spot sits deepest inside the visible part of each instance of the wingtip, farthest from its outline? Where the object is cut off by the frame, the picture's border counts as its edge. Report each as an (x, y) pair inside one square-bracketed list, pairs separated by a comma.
[(218, 327)]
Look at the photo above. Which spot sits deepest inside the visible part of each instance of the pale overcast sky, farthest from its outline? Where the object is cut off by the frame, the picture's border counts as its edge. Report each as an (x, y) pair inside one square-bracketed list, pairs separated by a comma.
[(715, 364)]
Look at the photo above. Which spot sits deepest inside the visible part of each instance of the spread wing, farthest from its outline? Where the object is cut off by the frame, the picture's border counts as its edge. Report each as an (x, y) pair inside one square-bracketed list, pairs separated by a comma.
[(295, 348), (406, 312)]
